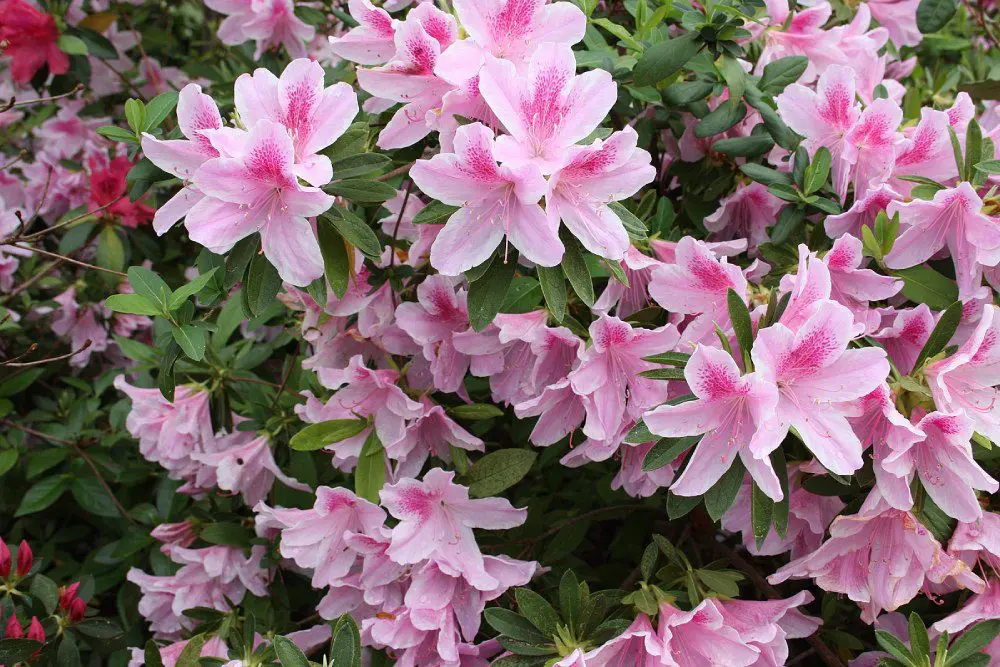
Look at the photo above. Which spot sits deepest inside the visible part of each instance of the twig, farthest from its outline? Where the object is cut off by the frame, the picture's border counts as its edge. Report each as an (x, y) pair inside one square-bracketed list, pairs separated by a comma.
[(124, 79), (395, 233), (37, 434), (41, 273), (400, 171), (100, 478), (65, 223), (71, 260), (17, 158), (13, 363), (39, 100)]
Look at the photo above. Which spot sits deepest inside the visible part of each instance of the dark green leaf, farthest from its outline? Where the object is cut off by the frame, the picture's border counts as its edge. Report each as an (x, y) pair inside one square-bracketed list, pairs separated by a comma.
[(361, 191), (43, 494), (13, 651), (159, 108), (182, 293), (553, 284), (923, 284), (488, 293), (475, 411), (575, 268), (191, 339), (345, 643), (498, 471), (323, 434), (972, 640), (721, 119), (749, 146), (945, 328), (932, 15), (537, 610), (894, 647), (513, 625), (666, 450), (765, 175), (780, 73), (435, 213), (739, 315), (135, 304), (369, 476), (336, 261), (761, 512), (722, 494), (289, 655), (665, 58), (261, 285), (355, 230), (361, 164), (229, 534)]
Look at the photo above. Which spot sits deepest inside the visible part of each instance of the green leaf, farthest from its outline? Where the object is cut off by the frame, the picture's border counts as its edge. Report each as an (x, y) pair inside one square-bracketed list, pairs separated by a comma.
[(289, 655), (749, 146), (620, 32), (765, 175), (15, 384), (678, 506), (818, 171), (923, 284), (721, 119), (537, 610), (148, 284), (110, 250), (361, 164), (142, 176), (135, 114), (672, 358), (973, 149), (666, 450), (435, 213), (790, 219), (189, 656), (117, 134), (781, 507), (356, 231), (686, 92), (182, 293), (261, 285), (720, 497), (134, 304), (159, 108), (369, 476), (761, 513), (498, 471), (13, 651), (71, 45), (569, 598), (989, 167), (739, 315), (45, 591), (663, 374), (635, 227), (891, 645), (165, 380), (553, 284), (91, 495), (735, 78), (513, 625), (345, 643), (721, 581), (99, 628), (361, 191), (323, 434), (475, 411), (42, 495), (228, 534), (920, 644), (778, 74), (336, 260), (945, 328), (8, 458), (973, 639), (151, 654), (932, 15), (523, 296), (98, 45), (575, 269), (665, 58), (191, 339), (488, 293)]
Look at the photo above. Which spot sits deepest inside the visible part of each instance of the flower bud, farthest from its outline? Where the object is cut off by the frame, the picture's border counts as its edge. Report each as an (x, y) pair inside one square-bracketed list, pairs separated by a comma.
[(77, 610), (13, 630), (24, 559), (4, 560), (67, 595), (35, 630)]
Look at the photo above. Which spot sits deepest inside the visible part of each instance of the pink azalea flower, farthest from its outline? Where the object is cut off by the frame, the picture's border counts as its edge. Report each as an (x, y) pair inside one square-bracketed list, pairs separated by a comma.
[(729, 410), (608, 375), (899, 17), (878, 424), (196, 112), (814, 372), (697, 283), (854, 286), (371, 42), (810, 285), (871, 146), (635, 481), (79, 324), (977, 540), (803, 35), (880, 558), (629, 300), (943, 462), (954, 219), (906, 336), (809, 515), (702, 637), (639, 645), (433, 432), (170, 654), (409, 76), (248, 467), (71, 135), (548, 109), (591, 177), (436, 518), (172, 535), (256, 190), (982, 607), (559, 409), (966, 381), (496, 202), (925, 151), (824, 117), (862, 213), (315, 116), (316, 538), (745, 214), (768, 625), (270, 23), (513, 29)]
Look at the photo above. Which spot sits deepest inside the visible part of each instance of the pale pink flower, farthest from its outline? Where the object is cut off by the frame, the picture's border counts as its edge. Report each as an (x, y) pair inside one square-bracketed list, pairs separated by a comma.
[(172, 535), (638, 646), (79, 324), (906, 336), (814, 372), (212, 648), (548, 109), (608, 375), (70, 134), (899, 17), (800, 34), (862, 213), (371, 42), (247, 466), (768, 625), (314, 115), (871, 146), (270, 23), (638, 270), (977, 540), (982, 607), (256, 190), (966, 381), (953, 219), (729, 410), (853, 286), (592, 177), (432, 433), (702, 636), (809, 285), (436, 518), (925, 151), (497, 202), (880, 558), (513, 29), (559, 409), (635, 481), (824, 117), (745, 214)]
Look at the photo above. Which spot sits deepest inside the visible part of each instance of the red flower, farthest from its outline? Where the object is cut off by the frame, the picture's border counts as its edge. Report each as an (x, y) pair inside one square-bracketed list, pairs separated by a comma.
[(31, 38), (24, 559), (5, 560), (107, 184)]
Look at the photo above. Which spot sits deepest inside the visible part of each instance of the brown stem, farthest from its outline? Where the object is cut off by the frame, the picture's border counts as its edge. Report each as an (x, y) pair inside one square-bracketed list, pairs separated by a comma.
[(400, 171), (66, 223), (72, 261), (395, 234), (31, 281), (13, 363), (39, 100), (14, 160)]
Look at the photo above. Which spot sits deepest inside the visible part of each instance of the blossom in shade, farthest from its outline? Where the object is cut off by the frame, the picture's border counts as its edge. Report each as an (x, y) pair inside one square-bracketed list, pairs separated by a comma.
[(247, 466), (745, 214), (270, 23), (30, 39)]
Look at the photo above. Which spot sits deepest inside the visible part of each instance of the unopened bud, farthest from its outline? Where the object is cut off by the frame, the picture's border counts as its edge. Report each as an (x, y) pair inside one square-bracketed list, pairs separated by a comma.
[(24, 559), (67, 595), (13, 630), (35, 630), (77, 610), (4, 560)]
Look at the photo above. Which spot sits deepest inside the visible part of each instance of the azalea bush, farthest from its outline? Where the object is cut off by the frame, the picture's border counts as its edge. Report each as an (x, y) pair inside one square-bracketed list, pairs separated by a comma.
[(523, 333)]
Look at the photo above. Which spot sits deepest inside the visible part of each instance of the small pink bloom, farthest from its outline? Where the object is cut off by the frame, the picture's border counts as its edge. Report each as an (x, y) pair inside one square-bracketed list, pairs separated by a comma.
[(702, 637), (768, 625), (899, 17), (271, 23), (745, 214), (35, 630), (871, 146), (906, 336), (371, 42), (635, 297), (559, 409), (513, 29), (925, 151), (862, 213), (247, 467), (854, 286), (977, 540)]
